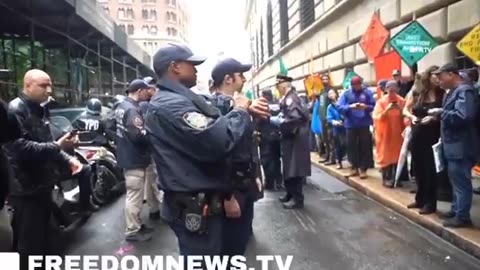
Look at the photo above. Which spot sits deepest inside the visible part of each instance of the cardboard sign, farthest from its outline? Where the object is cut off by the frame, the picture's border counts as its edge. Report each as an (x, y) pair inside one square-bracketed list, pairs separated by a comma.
[(470, 44)]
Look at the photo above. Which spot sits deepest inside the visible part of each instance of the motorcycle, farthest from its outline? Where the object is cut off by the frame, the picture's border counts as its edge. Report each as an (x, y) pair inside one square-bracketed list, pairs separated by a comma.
[(106, 179)]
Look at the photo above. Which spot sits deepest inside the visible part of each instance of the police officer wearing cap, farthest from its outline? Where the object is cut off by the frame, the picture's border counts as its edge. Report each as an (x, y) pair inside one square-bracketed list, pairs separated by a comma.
[(152, 89), (134, 157), (191, 143), (91, 122), (293, 124), (228, 78)]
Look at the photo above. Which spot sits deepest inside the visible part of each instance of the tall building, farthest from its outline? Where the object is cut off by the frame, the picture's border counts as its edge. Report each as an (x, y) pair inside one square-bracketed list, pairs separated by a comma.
[(151, 23), (329, 32)]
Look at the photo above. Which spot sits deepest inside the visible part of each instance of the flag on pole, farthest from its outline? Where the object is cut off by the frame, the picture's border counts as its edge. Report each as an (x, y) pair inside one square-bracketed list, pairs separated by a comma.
[(283, 68), (249, 94)]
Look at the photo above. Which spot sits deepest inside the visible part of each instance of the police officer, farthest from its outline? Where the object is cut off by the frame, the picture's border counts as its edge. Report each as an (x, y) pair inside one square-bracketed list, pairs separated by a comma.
[(110, 121), (293, 123), (152, 89), (191, 143), (270, 149), (92, 123), (134, 157), (228, 78)]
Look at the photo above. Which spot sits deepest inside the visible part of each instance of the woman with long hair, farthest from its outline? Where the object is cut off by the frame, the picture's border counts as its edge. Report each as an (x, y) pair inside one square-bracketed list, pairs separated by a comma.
[(425, 133)]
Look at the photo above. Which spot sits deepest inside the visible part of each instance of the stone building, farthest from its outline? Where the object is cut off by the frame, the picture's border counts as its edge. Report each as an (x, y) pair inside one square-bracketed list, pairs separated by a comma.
[(329, 32)]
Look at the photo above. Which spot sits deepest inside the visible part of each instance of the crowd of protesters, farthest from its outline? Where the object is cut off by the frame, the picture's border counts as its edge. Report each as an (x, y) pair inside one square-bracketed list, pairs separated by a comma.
[(436, 108)]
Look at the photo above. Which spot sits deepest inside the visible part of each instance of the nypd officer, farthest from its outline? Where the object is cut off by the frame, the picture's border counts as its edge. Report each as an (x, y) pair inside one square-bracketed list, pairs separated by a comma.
[(92, 123), (134, 157), (191, 143), (293, 123), (228, 78)]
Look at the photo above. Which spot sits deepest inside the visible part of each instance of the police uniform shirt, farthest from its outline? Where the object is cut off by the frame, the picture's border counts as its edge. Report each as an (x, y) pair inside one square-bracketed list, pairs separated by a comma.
[(294, 113)]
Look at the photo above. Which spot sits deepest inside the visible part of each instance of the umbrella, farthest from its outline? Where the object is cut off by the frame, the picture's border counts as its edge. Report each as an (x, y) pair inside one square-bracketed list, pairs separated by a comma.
[(402, 159)]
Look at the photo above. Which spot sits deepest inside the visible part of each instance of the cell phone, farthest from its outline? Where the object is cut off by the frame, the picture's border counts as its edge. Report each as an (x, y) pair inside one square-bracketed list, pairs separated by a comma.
[(73, 133)]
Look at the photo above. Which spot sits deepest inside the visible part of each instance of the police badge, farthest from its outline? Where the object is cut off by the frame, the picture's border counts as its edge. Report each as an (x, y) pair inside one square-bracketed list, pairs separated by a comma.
[(196, 120), (193, 222)]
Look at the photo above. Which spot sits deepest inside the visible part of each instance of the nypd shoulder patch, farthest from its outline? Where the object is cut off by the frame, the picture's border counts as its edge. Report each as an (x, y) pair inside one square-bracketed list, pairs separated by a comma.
[(289, 101), (196, 120)]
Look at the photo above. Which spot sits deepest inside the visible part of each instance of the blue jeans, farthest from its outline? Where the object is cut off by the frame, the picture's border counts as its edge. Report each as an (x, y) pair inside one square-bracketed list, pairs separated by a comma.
[(460, 174)]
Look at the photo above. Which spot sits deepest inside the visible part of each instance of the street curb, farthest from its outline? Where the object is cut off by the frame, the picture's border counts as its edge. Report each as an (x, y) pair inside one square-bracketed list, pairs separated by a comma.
[(436, 227)]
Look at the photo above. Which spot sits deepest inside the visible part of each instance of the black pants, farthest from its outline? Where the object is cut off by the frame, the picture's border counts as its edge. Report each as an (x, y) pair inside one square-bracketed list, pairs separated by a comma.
[(271, 162), (389, 172), (294, 188), (32, 232), (332, 156), (360, 148), (425, 177), (339, 142), (237, 231)]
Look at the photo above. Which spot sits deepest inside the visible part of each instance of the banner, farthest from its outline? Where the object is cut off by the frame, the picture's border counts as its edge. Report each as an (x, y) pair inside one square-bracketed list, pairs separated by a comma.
[(385, 65)]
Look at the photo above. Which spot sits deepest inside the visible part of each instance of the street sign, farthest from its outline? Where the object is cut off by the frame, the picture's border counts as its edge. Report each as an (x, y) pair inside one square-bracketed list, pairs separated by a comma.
[(413, 43), (348, 79), (470, 44), (374, 39)]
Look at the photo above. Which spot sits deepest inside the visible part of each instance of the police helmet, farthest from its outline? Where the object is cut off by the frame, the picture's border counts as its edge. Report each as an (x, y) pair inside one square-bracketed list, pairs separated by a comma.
[(115, 101), (94, 106)]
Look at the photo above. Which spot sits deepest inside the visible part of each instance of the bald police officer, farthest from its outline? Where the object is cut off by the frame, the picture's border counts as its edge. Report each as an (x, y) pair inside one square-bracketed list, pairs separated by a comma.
[(191, 144), (293, 123), (228, 79)]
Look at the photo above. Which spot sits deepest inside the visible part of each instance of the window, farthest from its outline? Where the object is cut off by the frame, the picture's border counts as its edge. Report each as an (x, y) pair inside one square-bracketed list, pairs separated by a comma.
[(283, 6), (131, 29), (172, 31), (145, 29), (122, 27), (153, 30), (269, 29), (174, 17), (307, 13), (172, 3), (153, 14), (144, 14), (106, 9), (121, 13), (130, 13)]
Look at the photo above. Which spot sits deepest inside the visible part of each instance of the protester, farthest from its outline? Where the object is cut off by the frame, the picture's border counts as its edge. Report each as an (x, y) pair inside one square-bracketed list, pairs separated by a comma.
[(327, 132), (389, 126), (459, 138), (356, 104), (405, 86), (335, 119)]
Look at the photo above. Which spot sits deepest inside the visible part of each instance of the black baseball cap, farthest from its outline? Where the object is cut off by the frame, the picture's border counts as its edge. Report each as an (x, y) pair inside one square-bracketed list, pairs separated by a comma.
[(227, 66), (447, 68), (174, 52), (283, 78), (136, 85)]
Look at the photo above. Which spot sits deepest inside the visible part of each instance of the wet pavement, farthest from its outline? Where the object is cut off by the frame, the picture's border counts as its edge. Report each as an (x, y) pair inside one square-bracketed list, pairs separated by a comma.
[(338, 229)]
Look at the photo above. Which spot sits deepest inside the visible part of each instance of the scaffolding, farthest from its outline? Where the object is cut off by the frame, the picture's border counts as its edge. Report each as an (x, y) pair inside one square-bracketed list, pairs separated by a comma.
[(78, 45)]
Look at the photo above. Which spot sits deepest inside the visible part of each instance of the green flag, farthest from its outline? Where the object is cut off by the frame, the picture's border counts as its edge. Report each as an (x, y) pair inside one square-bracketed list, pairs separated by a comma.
[(283, 68), (249, 94)]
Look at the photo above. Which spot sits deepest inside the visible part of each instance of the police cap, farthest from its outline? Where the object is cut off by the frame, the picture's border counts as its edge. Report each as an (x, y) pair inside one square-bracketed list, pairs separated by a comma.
[(227, 66), (150, 81), (174, 52), (283, 78), (136, 85)]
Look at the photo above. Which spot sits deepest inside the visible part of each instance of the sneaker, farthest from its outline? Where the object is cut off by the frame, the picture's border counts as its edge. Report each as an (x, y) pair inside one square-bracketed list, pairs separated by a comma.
[(146, 229), (446, 215), (457, 223), (138, 237)]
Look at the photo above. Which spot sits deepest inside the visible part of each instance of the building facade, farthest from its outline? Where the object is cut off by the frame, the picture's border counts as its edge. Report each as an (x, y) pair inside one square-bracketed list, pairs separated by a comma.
[(151, 23), (324, 35)]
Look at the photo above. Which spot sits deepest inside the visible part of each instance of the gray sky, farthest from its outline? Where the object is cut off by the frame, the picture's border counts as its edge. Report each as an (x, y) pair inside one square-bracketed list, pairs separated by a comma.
[(217, 26)]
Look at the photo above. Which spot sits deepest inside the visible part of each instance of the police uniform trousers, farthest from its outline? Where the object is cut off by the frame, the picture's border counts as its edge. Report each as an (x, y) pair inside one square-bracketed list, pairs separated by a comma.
[(237, 231), (270, 151), (294, 188), (136, 180)]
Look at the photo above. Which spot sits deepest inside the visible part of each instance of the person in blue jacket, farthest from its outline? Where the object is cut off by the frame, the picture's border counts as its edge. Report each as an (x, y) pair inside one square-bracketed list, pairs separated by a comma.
[(335, 120), (356, 105)]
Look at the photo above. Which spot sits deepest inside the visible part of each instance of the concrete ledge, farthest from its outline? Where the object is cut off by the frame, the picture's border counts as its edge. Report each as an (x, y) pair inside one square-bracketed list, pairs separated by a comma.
[(397, 199)]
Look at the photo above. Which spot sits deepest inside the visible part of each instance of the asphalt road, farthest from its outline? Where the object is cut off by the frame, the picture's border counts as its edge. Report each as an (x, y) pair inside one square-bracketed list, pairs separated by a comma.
[(338, 229)]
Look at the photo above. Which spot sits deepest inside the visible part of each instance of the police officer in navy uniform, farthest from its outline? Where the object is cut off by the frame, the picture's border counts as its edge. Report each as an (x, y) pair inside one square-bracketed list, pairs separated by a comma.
[(228, 78), (293, 123), (92, 123), (191, 144), (134, 158), (270, 149)]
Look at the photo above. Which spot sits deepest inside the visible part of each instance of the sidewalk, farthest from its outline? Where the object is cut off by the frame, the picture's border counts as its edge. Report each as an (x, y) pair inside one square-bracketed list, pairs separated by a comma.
[(397, 199)]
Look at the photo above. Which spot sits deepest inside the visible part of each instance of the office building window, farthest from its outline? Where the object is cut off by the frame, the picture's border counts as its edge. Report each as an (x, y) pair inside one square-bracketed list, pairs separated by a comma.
[(269, 29), (106, 9), (144, 14), (130, 14), (172, 31), (153, 14), (307, 13), (131, 29), (172, 3), (122, 27), (283, 9), (171, 16), (121, 13), (153, 30), (145, 29)]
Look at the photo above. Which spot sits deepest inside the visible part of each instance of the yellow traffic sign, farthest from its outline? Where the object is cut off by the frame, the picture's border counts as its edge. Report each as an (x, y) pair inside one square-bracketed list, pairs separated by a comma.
[(470, 44)]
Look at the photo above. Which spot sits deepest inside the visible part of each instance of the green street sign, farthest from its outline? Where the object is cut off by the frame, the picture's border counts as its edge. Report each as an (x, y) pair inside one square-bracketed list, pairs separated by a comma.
[(413, 43), (348, 79)]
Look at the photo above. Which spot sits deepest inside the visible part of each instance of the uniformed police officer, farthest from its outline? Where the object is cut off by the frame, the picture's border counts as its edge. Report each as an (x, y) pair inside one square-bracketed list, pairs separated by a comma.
[(293, 123), (92, 123), (191, 143), (228, 78), (110, 121), (270, 149), (134, 157)]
